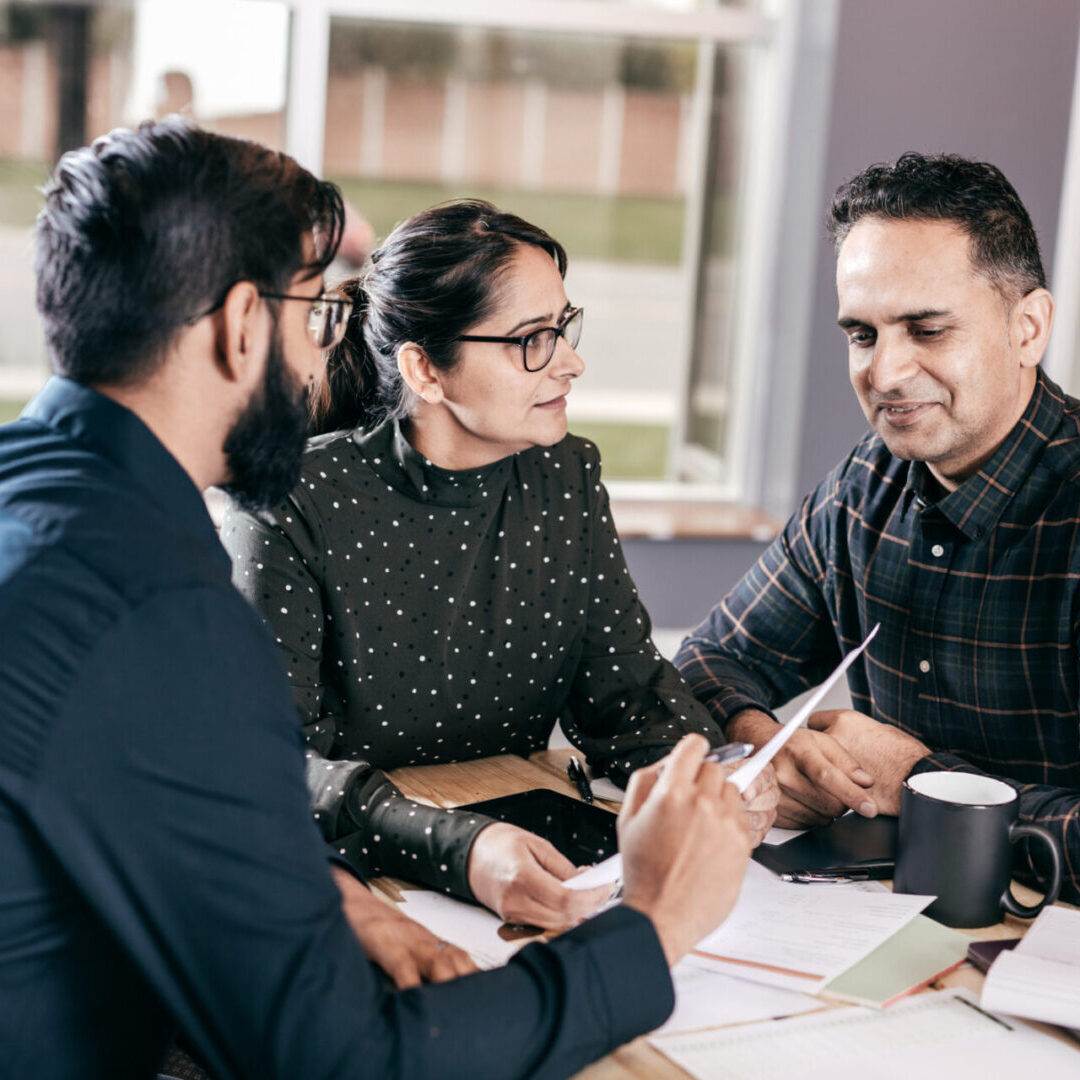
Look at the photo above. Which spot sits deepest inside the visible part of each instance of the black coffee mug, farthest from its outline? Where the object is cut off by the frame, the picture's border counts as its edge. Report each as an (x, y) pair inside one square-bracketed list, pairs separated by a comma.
[(955, 842)]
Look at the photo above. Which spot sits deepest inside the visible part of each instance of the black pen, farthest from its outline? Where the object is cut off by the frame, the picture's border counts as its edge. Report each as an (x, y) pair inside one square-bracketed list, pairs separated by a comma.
[(578, 778)]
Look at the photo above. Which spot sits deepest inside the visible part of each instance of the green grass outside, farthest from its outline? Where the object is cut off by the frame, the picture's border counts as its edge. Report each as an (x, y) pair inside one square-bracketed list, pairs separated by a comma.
[(9, 410), (622, 229), (629, 451), (20, 198)]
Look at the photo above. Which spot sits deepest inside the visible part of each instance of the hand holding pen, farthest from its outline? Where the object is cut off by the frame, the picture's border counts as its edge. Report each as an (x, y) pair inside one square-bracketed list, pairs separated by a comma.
[(721, 756)]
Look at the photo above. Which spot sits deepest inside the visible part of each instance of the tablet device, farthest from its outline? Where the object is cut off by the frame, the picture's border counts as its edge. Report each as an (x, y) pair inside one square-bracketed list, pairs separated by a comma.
[(860, 844), (584, 834)]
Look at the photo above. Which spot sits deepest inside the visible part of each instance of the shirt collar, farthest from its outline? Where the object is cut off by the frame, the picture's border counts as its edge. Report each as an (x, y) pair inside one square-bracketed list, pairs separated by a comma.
[(395, 460), (977, 504), (119, 435)]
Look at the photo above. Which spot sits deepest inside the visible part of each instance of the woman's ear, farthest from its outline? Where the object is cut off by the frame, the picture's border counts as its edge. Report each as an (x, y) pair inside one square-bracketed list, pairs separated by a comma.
[(420, 374)]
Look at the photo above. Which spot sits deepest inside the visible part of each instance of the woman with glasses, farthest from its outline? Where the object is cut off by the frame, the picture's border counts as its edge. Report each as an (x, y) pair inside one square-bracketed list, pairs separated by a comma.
[(445, 583)]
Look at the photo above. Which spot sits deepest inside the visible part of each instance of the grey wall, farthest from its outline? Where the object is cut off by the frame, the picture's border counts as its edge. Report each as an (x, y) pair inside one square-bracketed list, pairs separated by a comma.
[(991, 79)]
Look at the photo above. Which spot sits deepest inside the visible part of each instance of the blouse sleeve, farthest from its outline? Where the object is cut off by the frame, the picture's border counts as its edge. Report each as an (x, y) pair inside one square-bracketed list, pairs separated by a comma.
[(278, 565), (627, 705)]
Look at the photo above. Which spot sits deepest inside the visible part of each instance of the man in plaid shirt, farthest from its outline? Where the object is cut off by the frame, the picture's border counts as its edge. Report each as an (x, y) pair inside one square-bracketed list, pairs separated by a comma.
[(955, 523)]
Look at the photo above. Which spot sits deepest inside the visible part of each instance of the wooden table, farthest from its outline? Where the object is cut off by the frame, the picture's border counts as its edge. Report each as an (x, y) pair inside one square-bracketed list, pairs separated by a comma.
[(488, 778)]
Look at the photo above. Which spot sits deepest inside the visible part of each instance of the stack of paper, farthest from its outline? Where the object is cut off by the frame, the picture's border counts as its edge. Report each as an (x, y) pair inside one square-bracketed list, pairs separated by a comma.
[(942, 1034), (1040, 978), (800, 936), (465, 925), (706, 998), (911, 959)]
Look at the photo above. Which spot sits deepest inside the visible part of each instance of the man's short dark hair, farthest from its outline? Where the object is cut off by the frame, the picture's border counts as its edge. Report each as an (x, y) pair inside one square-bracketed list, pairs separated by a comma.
[(945, 187), (146, 229)]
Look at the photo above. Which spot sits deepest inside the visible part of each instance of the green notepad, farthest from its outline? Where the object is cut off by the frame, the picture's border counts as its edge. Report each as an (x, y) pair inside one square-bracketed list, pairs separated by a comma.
[(911, 958)]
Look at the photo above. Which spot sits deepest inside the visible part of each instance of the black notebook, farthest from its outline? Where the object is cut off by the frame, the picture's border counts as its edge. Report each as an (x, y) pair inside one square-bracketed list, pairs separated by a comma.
[(850, 841)]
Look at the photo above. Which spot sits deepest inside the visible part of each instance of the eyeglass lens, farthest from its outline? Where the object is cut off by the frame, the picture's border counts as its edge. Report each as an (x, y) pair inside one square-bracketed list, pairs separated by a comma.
[(326, 323), (539, 347)]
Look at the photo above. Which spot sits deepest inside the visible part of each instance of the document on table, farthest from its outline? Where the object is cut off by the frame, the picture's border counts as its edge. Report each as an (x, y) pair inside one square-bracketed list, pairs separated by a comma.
[(798, 937), (931, 1035), (467, 926), (707, 998), (1040, 978)]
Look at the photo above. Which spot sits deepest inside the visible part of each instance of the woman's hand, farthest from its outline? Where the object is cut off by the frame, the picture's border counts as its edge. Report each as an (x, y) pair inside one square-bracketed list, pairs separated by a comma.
[(519, 876), (408, 952)]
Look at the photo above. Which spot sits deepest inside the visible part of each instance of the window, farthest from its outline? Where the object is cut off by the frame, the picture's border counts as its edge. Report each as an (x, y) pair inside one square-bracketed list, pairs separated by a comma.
[(637, 133)]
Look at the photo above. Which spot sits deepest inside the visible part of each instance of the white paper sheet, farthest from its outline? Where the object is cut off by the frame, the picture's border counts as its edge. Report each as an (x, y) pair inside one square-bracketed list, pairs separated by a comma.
[(472, 928), (1054, 935), (603, 788), (799, 936), (776, 835), (930, 1035), (1040, 978), (707, 998), (610, 870), (749, 771)]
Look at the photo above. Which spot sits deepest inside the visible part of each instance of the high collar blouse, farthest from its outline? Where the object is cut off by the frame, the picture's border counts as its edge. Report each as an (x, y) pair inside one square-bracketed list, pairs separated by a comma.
[(428, 615)]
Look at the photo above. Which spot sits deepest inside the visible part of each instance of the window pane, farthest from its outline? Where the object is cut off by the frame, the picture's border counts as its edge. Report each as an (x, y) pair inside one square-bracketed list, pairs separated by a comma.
[(706, 451), (69, 74), (590, 137)]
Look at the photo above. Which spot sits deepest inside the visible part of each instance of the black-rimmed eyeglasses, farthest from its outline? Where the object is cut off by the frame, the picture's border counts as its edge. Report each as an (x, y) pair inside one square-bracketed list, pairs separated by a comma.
[(538, 346), (327, 319)]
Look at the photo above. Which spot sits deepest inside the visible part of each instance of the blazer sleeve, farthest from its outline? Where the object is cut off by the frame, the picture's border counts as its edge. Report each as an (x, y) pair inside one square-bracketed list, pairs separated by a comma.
[(209, 874), (279, 566)]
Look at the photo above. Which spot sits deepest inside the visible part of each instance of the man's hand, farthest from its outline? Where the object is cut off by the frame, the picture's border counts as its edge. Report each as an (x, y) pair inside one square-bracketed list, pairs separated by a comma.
[(404, 949), (519, 876), (760, 801), (885, 751), (819, 777), (685, 842)]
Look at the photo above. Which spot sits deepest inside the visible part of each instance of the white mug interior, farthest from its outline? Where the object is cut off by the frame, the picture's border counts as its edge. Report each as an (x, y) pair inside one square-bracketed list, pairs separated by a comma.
[(962, 788)]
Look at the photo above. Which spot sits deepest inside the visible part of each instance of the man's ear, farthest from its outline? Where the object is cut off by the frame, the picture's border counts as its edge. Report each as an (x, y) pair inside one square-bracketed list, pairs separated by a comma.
[(1032, 318), (239, 342), (421, 376)]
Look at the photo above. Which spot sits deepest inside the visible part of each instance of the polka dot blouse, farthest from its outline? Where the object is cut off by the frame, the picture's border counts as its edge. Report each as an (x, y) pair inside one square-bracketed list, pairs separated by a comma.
[(430, 616)]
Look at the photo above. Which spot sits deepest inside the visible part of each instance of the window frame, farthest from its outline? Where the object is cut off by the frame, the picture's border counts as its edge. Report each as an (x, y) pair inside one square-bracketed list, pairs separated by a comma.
[(776, 29)]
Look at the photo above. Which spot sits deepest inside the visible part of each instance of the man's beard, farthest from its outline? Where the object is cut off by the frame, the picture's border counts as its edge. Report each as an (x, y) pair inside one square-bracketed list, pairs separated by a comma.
[(264, 447)]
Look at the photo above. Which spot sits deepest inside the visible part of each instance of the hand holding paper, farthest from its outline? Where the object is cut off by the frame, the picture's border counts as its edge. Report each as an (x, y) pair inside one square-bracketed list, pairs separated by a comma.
[(745, 775), (610, 870)]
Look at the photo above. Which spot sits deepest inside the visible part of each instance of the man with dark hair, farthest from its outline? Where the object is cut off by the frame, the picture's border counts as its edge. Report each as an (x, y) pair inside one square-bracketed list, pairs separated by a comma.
[(954, 524), (160, 866)]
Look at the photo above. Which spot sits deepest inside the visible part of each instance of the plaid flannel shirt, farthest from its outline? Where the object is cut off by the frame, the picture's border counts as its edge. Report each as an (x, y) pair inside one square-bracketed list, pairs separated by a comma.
[(978, 596)]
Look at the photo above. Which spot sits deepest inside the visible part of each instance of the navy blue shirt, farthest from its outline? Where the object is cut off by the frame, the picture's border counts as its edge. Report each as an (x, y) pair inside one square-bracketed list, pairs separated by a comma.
[(158, 862)]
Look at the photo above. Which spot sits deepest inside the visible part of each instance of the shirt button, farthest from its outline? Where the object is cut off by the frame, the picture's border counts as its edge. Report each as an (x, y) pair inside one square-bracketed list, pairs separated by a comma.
[(937, 551), (924, 666)]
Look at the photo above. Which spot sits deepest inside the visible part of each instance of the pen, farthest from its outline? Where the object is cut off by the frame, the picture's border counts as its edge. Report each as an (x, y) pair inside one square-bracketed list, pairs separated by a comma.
[(579, 779), (841, 875), (724, 755), (823, 879), (735, 751)]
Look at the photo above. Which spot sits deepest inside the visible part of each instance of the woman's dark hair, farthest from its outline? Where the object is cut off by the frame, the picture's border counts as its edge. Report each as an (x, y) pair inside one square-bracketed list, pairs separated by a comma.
[(974, 195), (436, 275), (146, 229)]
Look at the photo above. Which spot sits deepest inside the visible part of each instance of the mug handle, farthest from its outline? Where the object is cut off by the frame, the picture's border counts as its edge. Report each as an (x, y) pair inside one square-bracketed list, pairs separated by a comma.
[(1012, 905)]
